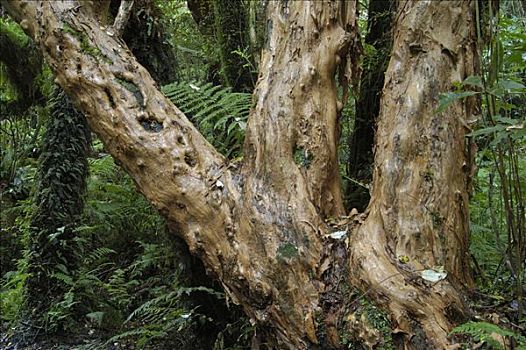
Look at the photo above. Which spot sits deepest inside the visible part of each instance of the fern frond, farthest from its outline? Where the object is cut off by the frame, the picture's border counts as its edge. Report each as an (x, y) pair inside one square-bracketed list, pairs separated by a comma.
[(216, 111), (484, 331), (98, 254)]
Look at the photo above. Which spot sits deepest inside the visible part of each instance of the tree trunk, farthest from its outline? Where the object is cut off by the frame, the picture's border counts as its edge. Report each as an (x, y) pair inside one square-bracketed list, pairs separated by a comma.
[(52, 251), (260, 229), (145, 36), (379, 37), (23, 64), (418, 215), (225, 23)]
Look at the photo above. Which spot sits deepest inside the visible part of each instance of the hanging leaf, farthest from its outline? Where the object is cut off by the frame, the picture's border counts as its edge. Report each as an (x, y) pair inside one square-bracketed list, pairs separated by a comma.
[(488, 130), (473, 80), (449, 97), (96, 317), (511, 86)]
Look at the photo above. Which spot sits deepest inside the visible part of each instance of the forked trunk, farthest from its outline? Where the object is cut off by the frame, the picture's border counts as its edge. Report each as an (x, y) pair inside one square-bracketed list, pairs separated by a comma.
[(260, 227)]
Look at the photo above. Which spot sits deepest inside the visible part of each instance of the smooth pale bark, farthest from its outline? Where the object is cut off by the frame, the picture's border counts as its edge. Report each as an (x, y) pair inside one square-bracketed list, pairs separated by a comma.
[(260, 229), (122, 16)]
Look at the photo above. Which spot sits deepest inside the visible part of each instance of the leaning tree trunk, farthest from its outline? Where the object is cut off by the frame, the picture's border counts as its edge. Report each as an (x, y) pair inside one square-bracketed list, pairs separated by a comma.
[(23, 64), (260, 230)]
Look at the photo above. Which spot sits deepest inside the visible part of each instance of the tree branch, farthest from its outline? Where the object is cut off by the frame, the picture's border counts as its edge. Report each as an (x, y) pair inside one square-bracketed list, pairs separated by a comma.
[(259, 231), (172, 164), (122, 16)]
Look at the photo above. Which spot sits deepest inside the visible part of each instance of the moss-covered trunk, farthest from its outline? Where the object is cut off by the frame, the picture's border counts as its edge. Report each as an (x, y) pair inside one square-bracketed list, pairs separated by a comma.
[(52, 250), (225, 24), (261, 228), (23, 64), (147, 39)]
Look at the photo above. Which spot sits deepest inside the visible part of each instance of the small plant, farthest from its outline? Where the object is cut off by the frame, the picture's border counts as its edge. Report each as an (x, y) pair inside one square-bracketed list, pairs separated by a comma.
[(484, 332), (12, 293)]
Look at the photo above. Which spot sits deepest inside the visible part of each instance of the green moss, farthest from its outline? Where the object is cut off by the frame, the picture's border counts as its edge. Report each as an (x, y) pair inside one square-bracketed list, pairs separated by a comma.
[(66, 28), (375, 318), (131, 87), (45, 81), (13, 30), (85, 46), (428, 175), (379, 319), (287, 251), (85, 43), (303, 157), (7, 90), (321, 331)]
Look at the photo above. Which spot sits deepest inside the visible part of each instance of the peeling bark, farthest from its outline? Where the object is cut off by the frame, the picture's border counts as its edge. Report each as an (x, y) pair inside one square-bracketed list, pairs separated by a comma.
[(260, 229), (264, 254), (419, 208)]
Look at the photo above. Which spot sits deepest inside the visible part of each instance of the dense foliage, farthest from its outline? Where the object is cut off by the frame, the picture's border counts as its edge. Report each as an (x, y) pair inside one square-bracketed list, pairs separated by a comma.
[(125, 280)]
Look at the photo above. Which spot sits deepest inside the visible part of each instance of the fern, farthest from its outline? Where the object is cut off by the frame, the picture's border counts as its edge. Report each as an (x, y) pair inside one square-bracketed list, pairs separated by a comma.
[(98, 254), (162, 316), (483, 331), (143, 335), (219, 113), (156, 309), (118, 288)]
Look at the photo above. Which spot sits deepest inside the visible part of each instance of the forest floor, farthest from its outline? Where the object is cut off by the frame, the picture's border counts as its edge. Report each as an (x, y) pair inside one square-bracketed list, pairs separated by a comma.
[(486, 308), (8, 341)]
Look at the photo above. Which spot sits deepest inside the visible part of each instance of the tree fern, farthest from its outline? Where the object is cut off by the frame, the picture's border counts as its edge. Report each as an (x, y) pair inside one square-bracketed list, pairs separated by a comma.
[(219, 113)]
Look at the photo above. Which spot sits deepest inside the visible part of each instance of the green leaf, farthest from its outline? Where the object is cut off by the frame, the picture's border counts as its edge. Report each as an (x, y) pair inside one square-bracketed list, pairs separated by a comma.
[(64, 278), (473, 80), (62, 268), (487, 131), (483, 331), (449, 97), (511, 85), (505, 120)]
